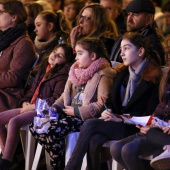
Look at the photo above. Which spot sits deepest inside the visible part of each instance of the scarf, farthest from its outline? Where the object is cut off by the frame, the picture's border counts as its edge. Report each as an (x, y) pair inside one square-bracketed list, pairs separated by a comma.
[(135, 76), (11, 34), (79, 76), (33, 100), (44, 44)]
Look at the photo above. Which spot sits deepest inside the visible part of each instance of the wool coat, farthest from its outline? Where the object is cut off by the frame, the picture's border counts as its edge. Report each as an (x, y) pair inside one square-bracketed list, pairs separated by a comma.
[(51, 88), (15, 63), (98, 86), (145, 98)]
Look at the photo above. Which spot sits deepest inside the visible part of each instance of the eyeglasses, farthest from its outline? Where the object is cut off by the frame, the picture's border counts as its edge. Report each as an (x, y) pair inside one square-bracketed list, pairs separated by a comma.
[(1, 12), (85, 18)]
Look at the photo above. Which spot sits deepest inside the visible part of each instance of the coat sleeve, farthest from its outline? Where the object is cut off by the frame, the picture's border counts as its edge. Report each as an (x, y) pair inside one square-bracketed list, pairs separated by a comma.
[(23, 57), (94, 109), (65, 98), (58, 90)]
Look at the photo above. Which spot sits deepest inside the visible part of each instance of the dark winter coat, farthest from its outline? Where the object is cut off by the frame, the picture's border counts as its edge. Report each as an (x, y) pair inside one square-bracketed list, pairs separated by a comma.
[(51, 88)]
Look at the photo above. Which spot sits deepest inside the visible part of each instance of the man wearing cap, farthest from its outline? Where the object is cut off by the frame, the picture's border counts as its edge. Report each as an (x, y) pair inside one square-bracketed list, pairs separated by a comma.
[(140, 18)]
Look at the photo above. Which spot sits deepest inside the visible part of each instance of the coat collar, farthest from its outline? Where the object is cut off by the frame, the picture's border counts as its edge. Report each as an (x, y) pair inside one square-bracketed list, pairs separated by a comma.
[(152, 72)]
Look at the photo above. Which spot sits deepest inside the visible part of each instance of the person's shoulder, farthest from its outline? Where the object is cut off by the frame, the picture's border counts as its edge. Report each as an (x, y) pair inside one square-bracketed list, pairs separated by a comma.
[(108, 72), (22, 38), (154, 33), (152, 72)]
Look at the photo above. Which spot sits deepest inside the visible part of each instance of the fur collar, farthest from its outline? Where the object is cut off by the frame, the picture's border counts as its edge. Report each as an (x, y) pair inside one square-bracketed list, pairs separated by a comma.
[(152, 72)]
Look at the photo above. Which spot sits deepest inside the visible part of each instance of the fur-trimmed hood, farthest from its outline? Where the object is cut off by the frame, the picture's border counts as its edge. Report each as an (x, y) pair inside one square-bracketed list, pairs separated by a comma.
[(152, 72)]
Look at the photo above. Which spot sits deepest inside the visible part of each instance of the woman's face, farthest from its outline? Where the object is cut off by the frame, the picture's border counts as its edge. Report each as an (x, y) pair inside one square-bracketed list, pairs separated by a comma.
[(6, 19), (41, 29), (57, 57), (85, 21), (131, 55), (83, 57), (70, 12)]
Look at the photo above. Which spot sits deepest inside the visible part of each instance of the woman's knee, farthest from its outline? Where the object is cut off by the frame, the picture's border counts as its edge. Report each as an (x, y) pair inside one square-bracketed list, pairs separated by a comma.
[(128, 152), (116, 149)]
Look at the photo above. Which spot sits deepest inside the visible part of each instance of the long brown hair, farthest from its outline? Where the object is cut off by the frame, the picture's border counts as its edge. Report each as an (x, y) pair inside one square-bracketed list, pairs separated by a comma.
[(102, 24)]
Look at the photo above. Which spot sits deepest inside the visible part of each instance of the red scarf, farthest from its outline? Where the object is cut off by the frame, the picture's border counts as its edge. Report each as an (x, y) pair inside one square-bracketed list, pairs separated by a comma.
[(34, 97)]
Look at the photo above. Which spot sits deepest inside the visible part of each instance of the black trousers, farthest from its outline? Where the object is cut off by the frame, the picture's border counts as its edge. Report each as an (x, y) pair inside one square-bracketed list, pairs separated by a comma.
[(157, 137), (93, 134)]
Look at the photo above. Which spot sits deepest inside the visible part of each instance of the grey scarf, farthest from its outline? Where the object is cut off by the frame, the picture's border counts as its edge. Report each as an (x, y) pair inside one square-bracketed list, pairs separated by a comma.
[(134, 79)]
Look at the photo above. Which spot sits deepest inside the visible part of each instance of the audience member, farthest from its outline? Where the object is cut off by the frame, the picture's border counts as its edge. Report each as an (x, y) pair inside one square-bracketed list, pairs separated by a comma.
[(17, 53), (90, 79), (140, 18), (134, 92), (159, 17), (90, 25), (26, 1), (72, 9), (51, 29), (48, 84), (33, 9), (125, 3), (115, 13), (45, 4), (166, 14), (56, 4)]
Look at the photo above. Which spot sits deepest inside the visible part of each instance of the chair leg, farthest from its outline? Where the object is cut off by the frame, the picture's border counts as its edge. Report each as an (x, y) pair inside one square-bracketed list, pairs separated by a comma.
[(47, 158), (116, 166), (30, 148), (37, 157)]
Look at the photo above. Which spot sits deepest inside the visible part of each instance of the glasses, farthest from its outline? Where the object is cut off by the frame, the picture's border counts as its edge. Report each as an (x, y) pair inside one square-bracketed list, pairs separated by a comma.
[(1, 12), (85, 18)]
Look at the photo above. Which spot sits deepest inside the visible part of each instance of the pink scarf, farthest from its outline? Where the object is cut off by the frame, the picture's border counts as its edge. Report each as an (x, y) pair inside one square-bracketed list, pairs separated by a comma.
[(79, 76)]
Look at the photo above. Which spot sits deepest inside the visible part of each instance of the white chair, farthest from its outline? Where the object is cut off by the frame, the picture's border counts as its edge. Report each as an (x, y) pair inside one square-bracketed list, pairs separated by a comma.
[(28, 145), (37, 158), (71, 140)]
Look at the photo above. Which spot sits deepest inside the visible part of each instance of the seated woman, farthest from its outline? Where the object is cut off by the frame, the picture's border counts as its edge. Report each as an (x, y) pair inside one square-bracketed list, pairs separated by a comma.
[(134, 92), (17, 53), (90, 25), (48, 84), (90, 78)]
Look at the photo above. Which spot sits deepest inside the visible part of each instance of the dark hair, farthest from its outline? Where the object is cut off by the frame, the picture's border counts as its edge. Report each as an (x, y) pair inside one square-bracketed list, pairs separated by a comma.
[(95, 45), (61, 25), (139, 41), (78, 4), (69, 59), (33, 9), (16, 8)]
